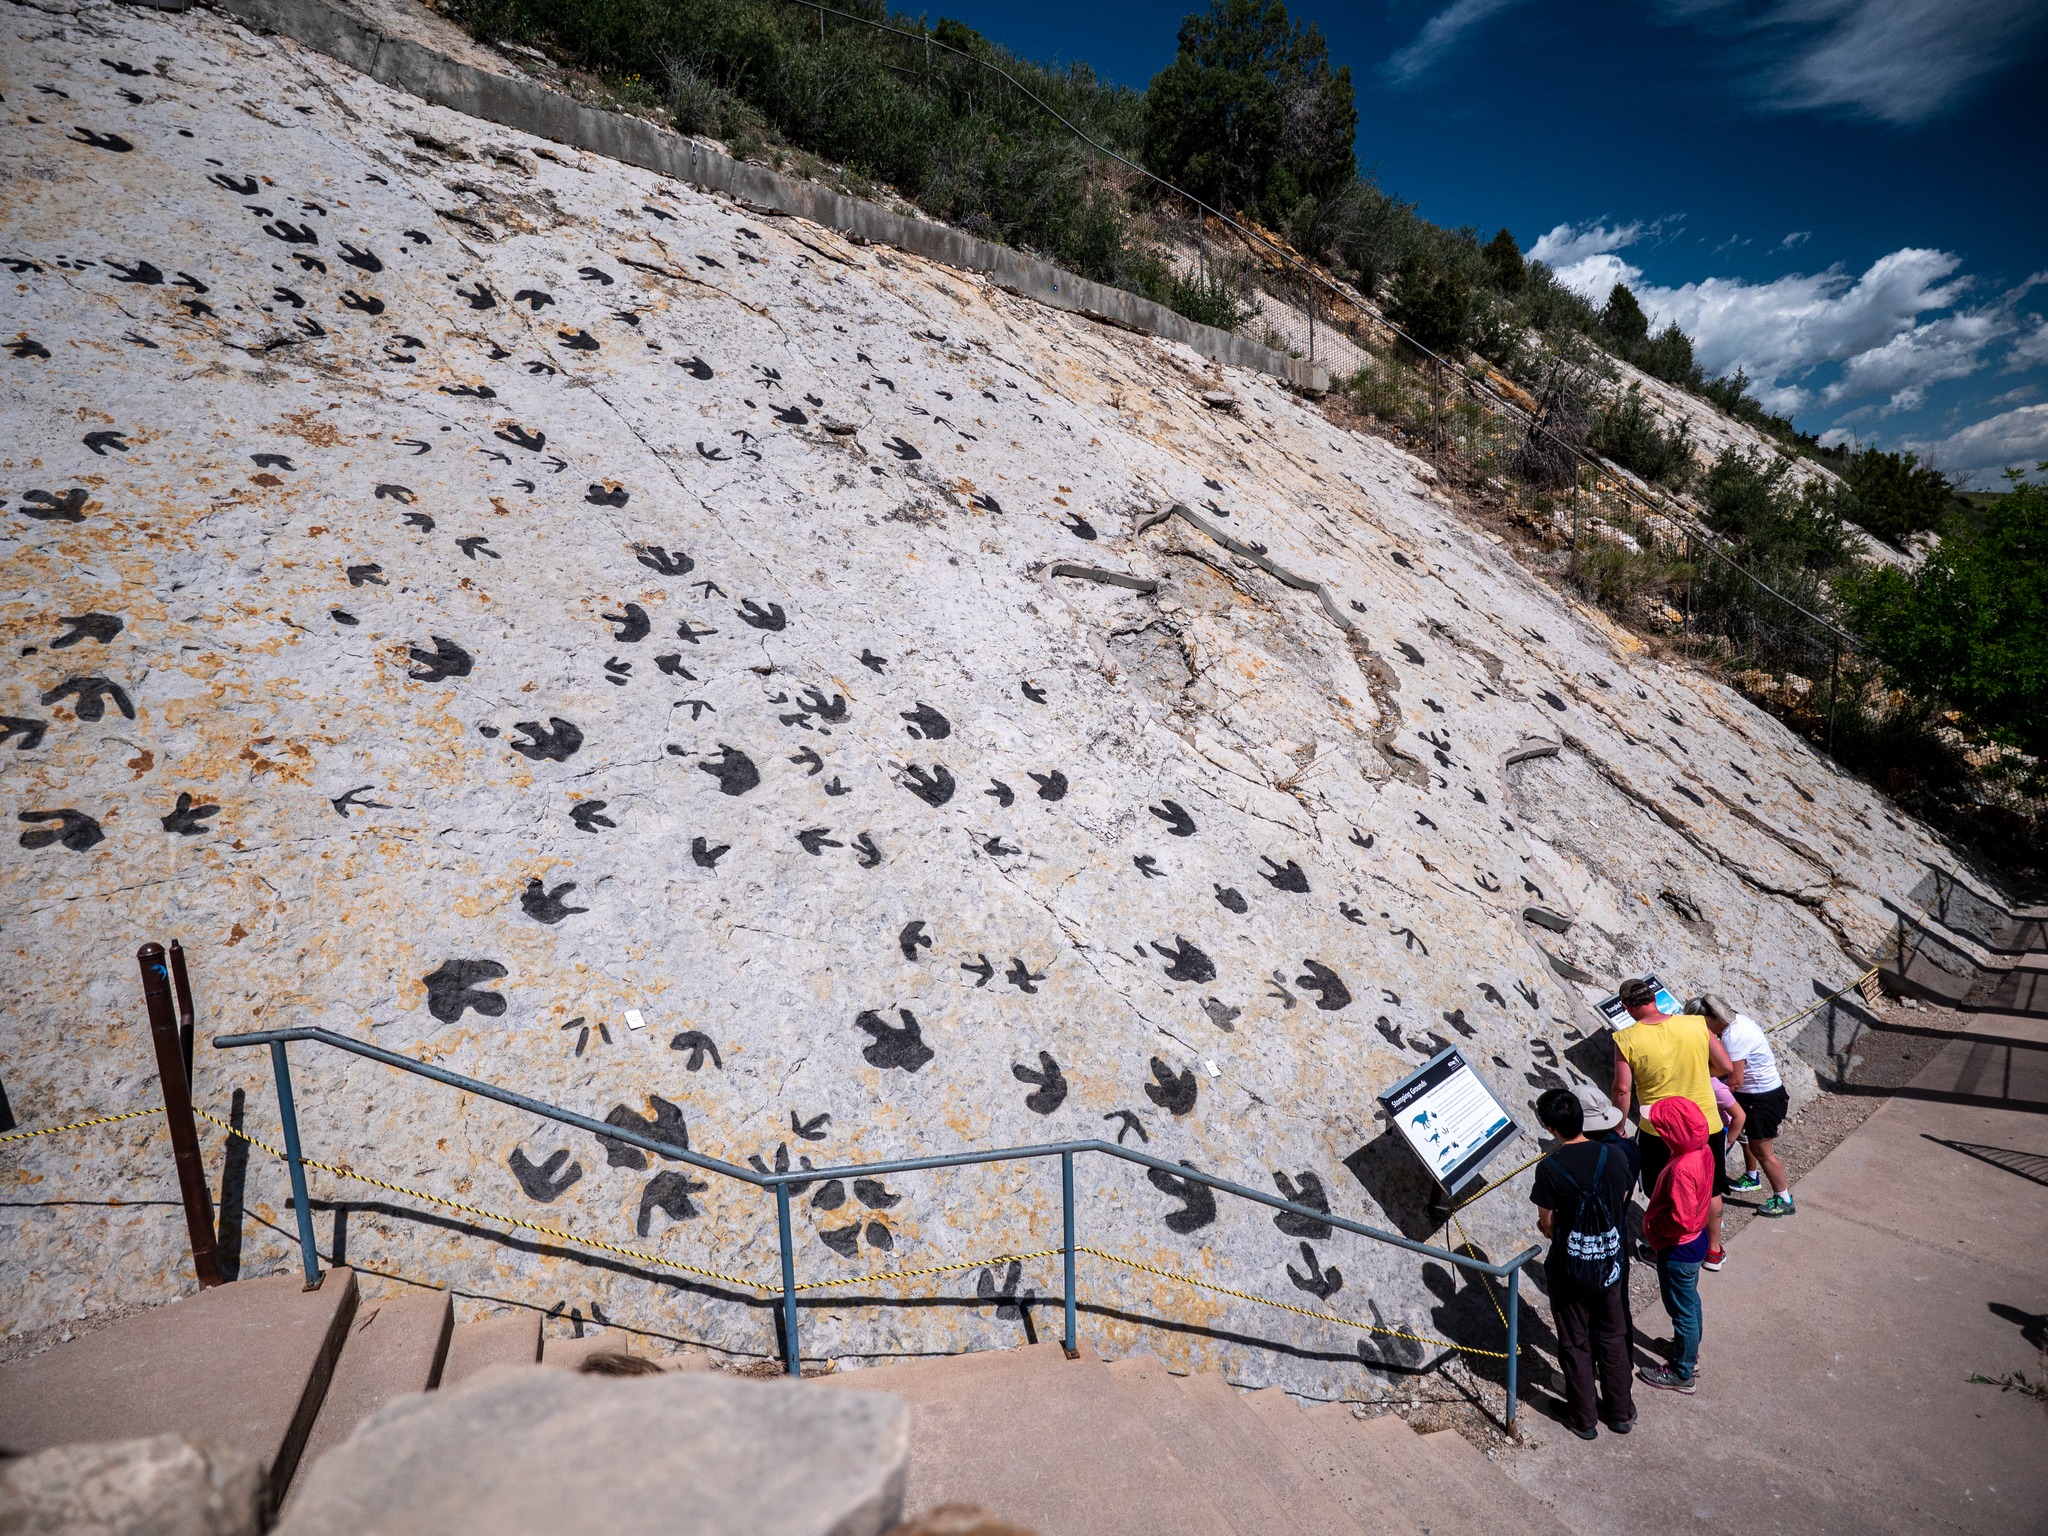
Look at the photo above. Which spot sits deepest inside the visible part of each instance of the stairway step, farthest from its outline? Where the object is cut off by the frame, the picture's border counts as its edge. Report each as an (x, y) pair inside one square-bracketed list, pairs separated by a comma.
[(569, 1354), (1326, 1445), (1394, 1456), (396, 1347), (1500, 1500), (245, 1364), (510, 1340), (1241, 1496), (1266, 1441), (1043, 1441)]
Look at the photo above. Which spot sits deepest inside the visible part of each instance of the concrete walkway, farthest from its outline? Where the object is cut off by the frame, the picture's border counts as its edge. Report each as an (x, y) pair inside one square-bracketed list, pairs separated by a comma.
[(1835, 1392)]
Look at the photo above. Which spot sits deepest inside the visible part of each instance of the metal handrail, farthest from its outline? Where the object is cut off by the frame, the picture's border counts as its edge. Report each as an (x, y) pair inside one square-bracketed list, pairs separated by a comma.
[(779, 1183)]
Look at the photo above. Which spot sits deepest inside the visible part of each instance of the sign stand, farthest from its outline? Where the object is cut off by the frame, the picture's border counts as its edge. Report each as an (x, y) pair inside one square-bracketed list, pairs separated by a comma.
[(1451, 1120)]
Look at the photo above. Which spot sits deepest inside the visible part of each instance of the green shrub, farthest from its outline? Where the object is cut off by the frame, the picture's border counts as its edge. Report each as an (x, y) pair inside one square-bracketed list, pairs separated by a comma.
[(1432, 302), (1668, 356), (1618, 576), (1776, 528), (1387, 389), (1970, 626), (1215, 297), (1897, 495), (937, 126), (1553, 308), (1629, 433)]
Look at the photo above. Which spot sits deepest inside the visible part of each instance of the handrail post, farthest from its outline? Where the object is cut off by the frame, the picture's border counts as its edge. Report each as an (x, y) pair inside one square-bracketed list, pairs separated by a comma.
[(183, 983), (1514, 1341), (1073, 1343), (288, 1116), (792, 1358), (170, 1071)]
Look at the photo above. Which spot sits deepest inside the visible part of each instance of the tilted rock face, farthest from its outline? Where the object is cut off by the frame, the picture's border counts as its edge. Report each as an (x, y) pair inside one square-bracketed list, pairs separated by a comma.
[(162, 1486), (468, 590)]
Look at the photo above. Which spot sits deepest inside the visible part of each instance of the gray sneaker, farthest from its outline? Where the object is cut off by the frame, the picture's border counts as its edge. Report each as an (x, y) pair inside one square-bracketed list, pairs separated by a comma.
[(1777, 1205), (1666, 1378)]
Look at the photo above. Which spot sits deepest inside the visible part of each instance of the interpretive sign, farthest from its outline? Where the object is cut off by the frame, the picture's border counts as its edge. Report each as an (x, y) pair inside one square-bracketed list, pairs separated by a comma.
[(1451, 1119), (1619, 1018)]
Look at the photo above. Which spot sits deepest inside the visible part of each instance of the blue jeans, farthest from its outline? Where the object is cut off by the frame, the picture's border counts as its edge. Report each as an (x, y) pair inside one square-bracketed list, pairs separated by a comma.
[(1680, 1287)]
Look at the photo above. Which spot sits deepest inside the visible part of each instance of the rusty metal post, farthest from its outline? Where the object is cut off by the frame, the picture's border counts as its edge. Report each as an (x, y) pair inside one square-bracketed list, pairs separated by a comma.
[(170, 1070), (183, 985)]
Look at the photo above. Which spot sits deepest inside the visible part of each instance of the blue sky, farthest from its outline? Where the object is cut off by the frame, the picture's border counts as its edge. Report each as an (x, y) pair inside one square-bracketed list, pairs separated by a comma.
[(1849, 198)]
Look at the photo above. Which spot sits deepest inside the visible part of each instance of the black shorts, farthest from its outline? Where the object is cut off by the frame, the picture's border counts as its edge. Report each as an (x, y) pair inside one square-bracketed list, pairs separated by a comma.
[(1766, 1112), (1718, 1141)]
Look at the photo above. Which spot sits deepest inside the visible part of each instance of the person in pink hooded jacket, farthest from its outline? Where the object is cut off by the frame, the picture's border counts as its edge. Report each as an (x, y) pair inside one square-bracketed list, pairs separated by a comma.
[(1675, 1227)]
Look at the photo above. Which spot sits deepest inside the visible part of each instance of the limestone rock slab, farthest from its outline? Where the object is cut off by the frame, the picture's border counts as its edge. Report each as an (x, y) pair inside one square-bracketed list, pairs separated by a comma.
[(520, 1450), (160, 1486)]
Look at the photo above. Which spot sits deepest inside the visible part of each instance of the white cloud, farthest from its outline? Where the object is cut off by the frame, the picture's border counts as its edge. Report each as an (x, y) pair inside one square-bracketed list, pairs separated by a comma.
[(1797, 237), (1980, 452), (1594, 277), (1951, 347), (1439, 35), (1781, 331), (1867, 346), (1898, 61), (2031, 350), (1570, 243)]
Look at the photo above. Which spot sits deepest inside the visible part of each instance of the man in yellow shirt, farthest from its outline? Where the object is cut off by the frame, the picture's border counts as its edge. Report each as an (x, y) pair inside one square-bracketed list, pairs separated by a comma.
[(1665, 1055)]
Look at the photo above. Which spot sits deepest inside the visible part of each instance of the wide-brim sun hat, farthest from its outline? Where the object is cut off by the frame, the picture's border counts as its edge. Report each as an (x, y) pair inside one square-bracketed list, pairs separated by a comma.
[(1601, 1115)]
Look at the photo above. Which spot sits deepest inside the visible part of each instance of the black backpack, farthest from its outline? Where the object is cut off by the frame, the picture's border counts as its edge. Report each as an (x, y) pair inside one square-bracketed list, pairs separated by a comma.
[(1591, 1255)]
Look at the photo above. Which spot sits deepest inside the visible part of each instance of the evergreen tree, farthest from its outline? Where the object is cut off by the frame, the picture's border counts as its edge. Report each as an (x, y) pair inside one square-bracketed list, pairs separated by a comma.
[(1250, 116), (1504, 260), (1624, 321)]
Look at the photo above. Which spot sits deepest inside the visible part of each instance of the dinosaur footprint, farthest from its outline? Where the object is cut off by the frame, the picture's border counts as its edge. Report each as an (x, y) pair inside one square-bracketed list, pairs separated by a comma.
[(1198, 1203), (1051, 1089)]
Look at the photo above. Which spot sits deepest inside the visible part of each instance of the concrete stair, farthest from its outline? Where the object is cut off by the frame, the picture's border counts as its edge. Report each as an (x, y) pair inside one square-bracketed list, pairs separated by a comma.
[(1059, 1446), (1078, 1448), (247, 1365), (513, 1340), (395, 1347)]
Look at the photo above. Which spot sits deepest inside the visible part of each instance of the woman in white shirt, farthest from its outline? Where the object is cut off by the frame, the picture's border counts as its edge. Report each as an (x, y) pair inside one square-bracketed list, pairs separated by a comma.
[(1761, 1092)]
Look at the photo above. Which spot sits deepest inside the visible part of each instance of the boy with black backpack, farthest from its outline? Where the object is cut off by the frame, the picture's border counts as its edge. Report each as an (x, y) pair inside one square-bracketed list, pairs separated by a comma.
[(1581, 1194)]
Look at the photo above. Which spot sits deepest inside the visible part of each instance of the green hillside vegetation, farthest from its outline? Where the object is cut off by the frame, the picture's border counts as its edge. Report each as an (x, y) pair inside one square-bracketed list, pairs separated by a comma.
[(1250, 117), (1969, 628)]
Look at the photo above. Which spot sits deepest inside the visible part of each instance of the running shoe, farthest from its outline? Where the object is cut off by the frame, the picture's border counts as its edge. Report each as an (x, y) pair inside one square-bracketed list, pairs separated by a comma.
[(1664, 1377), (1777, 1205), (1716, 1257), (1748, 1184)]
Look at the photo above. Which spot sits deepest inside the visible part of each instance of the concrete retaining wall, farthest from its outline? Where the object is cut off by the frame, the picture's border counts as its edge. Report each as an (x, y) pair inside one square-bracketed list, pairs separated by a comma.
[(514, 103)]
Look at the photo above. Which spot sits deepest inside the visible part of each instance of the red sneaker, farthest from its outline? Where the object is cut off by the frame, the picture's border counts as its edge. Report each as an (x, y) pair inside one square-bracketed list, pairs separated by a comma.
[(1716, 1257)]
